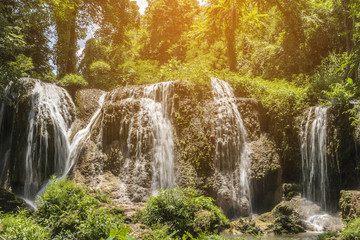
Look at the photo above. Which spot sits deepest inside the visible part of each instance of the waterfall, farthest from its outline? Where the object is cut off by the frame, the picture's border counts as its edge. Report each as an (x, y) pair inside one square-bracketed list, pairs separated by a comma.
[(232, 160), (81, 137), (313, 153), (155, 103), (154, 114), (50, 117)]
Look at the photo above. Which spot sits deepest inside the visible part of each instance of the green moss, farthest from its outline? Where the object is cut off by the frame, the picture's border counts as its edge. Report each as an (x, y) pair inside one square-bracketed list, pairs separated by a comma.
[(286, 220)]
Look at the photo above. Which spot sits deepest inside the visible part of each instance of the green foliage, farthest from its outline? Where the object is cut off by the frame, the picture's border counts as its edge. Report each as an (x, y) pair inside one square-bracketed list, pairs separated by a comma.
[(352, 230), (21, 226), (167, 22), (282, 100), (339, 94), (68, 211), (139, 72), (327, 74), (73, 80), (64, 205), (100, 225), (184, 210), (99, 74), (22, 66)]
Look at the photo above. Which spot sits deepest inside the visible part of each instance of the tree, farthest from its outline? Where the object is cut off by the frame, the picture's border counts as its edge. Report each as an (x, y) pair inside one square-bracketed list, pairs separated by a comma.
[(23, 41), (226, 13), (166, 21)]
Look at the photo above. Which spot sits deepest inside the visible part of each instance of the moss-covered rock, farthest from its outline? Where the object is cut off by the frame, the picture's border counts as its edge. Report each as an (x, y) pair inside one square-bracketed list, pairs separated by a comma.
[(247, 226), (290, 190), (286, 219), (350, 205)]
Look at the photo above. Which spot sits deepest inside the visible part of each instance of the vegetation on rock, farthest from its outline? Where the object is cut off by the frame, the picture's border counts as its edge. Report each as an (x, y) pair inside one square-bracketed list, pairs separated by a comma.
[(182, 211), (65, 211)]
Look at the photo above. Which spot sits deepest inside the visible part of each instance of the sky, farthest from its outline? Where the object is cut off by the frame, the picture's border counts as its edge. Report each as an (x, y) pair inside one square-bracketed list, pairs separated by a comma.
[(142, 5)]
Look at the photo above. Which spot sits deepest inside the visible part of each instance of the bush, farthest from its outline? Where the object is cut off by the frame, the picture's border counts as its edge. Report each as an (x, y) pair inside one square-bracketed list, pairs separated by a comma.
[(21, 226), (99, 225), (352, 230), (67, 210), (64, 205), (328, 73), (73, 80), (184, 210)]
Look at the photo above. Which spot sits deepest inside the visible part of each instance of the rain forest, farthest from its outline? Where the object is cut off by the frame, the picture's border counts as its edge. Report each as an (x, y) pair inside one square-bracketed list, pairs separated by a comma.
[(180, 119)]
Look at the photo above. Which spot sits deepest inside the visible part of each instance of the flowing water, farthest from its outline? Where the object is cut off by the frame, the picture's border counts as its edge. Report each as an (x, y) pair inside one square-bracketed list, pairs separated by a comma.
[(51, 115), (232, 160), (142, 131), (81, 137), (314, 160), (314, 173), (156, 103)]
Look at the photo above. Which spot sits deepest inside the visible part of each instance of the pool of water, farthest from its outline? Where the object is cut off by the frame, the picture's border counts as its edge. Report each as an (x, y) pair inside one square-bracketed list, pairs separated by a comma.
[(301, 236)]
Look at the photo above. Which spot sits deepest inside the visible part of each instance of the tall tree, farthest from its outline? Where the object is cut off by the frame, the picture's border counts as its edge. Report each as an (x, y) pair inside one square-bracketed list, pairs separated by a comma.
[(226, 13), (166, 21)]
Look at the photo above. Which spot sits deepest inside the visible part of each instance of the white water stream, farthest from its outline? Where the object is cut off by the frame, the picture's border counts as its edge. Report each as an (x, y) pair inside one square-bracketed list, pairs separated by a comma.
[(314, 160), (232, 159)]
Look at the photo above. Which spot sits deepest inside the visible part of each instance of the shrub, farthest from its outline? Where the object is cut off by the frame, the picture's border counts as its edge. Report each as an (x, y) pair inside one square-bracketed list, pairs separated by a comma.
[(21, 226), (64, 205), (68, 211), (73, 80), (184, 210), (352, 230), (100, 225)]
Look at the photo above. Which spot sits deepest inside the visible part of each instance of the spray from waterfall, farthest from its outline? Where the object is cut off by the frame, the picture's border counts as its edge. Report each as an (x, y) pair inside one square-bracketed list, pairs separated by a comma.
[(232, 159), (314, 160)]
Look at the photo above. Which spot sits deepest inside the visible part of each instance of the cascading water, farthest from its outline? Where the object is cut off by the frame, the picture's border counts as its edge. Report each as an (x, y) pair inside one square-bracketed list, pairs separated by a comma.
[(81, 137), (153, 127), (137, 139), (155, 103), (314, 161), (232, 160), (51, 115), (314, 172)]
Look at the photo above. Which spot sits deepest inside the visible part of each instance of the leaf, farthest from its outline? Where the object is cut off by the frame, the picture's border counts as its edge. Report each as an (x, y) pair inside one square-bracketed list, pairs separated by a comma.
[(350, 81)]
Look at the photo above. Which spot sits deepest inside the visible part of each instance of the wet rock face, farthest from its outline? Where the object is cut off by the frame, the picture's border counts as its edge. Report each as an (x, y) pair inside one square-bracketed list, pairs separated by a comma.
[(119, 156), (8, 201), (143, 138)]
